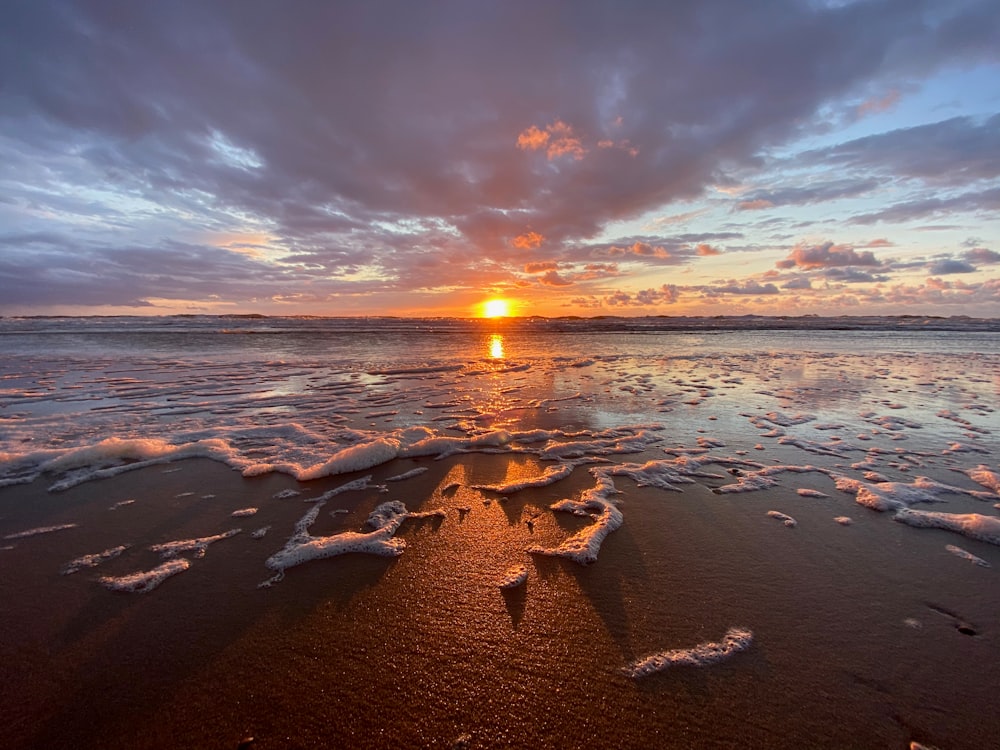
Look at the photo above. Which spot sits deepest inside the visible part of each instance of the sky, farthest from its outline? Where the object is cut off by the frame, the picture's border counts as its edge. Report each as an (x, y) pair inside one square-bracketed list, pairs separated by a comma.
[(716, 157)]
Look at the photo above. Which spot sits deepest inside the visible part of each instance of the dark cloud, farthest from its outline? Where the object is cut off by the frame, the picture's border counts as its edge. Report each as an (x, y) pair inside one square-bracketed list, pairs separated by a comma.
[(852, 275), (798, 196), (800, 282), (932, 205), (952, 152), (748, 286), (981, 255), (948, 266)]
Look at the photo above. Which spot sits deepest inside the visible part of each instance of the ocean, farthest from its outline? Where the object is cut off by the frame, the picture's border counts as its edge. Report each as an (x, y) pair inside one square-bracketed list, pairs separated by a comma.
[(245, 531)]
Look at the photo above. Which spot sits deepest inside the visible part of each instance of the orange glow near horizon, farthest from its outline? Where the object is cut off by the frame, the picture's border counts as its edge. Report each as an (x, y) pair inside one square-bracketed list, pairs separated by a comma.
[(496, 308)]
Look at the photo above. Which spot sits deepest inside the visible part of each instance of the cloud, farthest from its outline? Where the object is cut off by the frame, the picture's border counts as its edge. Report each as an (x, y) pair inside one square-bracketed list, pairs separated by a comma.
[(552, 278), (931, 205), (399, 147), (800, 282), (951, 152), (950, 265), (545, 265), (528, 241), (981, 255), (852, 275), (747, 286), (667, 294), (558, 139), (585, 302), (757, 204), (532, 139), (827, 255), (705, 250), (881, 104), (807, 195)]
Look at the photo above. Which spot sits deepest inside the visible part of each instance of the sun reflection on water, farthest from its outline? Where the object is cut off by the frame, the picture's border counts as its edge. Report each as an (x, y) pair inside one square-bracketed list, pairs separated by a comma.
[(496, 346)]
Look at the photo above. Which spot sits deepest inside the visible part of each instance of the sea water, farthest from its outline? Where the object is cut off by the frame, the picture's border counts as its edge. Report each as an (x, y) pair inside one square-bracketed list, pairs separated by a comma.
[(644, 532)]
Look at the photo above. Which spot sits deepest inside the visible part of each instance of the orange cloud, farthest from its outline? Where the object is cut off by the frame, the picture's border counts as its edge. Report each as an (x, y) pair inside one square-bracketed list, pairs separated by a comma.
[(528, 241), (755, 205), (643, 250), (532, 139), (558, 139), (624, 145), (871, 106), (540, 266), (705, 250)]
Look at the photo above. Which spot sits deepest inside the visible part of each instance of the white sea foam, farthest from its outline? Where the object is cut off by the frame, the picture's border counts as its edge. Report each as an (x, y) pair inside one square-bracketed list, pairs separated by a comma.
[(836, 448), (243, 512), (844, 520), (584, 546), (733, 642), (628, 440), (92, 561), (782, 419), (764, 477), (884, 496), (551, 475), (356, 484), (966, 555), (972, 525), (107, 458), (985, 476), (514, 577), (199, 546), (408, 474), (302, 547), (145, 581), (354, 458), (809, 492), (40, 530), (785, 519)]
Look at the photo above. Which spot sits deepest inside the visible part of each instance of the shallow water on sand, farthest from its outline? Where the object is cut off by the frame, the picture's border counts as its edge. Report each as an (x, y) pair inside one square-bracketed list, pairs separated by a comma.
[(871, 633)]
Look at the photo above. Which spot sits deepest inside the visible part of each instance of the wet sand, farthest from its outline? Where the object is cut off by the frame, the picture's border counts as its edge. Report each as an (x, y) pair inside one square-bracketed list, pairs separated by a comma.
[(867, 635)]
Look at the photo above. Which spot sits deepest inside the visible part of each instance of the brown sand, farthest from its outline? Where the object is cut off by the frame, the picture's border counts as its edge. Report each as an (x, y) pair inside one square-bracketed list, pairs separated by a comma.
[(423, 650)]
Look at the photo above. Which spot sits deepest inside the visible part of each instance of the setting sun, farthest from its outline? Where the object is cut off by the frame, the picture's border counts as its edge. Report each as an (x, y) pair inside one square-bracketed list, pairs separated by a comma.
[(496, 308)]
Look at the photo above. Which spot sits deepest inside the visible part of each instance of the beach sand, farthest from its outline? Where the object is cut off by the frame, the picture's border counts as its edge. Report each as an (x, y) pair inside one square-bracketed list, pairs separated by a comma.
[(864, 635)]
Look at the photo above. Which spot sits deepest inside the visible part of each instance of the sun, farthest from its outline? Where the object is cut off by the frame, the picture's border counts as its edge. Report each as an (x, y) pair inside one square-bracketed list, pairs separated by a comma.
[(496, 308)]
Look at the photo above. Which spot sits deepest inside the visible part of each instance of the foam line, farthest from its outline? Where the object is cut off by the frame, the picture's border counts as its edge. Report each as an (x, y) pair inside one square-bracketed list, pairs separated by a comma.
[(199, 546), (514, 577), (733, 642), (145, 581), (785, 519), (551, 475), (302, 547), (972, 525), (40, 530), (92, 561), (584, 546)]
